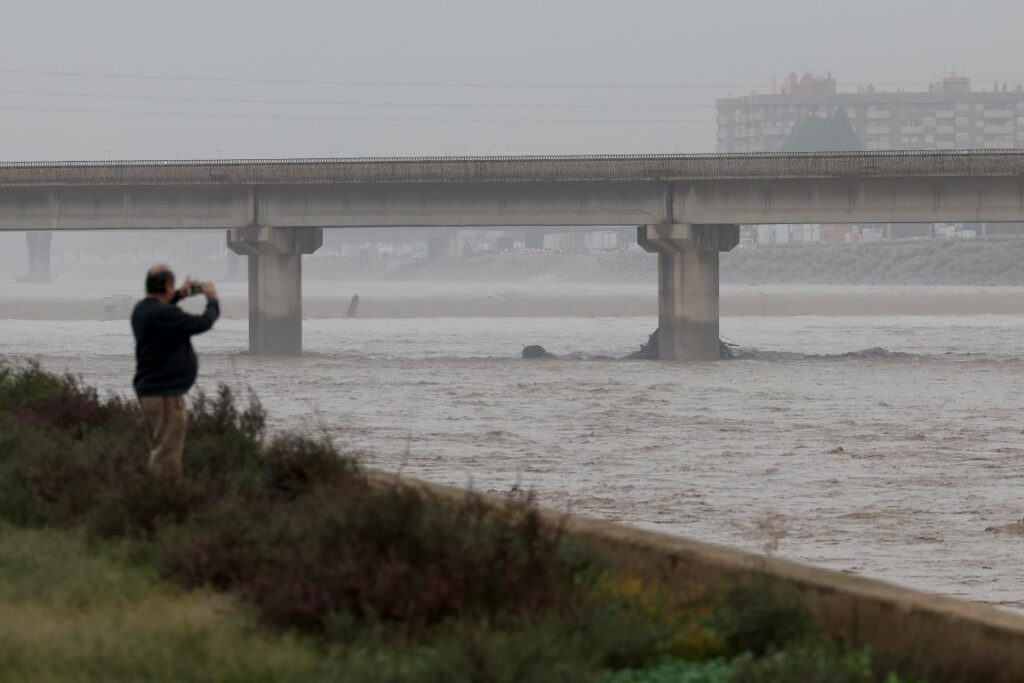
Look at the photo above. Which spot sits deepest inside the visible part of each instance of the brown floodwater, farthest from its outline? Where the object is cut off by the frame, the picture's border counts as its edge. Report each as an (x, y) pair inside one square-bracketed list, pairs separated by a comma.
[(886, 445)]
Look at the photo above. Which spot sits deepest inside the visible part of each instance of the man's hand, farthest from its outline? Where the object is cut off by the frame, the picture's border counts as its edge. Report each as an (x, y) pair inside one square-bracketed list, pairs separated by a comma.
[(210, 290), (185, 290)]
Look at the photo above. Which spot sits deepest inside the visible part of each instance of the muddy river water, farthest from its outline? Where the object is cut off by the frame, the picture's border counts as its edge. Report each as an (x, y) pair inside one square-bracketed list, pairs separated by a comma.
[(891, 446)]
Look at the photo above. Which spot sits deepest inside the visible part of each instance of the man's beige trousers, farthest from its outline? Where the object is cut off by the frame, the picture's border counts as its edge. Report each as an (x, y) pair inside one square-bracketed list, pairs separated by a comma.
[(165, 419)]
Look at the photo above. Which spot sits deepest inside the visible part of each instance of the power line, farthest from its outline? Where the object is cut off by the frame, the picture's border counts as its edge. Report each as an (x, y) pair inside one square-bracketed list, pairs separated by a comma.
[(403, 84), (327, 117), (348, 103), (428, 84)]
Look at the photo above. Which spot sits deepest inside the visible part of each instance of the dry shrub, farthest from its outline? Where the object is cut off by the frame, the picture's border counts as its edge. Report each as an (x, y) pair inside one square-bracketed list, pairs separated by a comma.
[(293, 525), (383, 552)]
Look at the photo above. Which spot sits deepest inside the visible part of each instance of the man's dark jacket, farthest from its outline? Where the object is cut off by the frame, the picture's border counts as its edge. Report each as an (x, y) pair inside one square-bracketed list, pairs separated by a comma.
[(165, 363)]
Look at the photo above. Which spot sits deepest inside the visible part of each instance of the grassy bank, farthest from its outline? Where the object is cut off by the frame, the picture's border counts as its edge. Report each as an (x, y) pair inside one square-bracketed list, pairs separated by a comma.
[(976, 262), (280, 559), (69, 612)]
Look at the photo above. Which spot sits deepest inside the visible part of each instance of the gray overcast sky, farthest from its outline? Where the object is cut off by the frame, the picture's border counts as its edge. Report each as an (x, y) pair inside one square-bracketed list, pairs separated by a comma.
[(737, 43)]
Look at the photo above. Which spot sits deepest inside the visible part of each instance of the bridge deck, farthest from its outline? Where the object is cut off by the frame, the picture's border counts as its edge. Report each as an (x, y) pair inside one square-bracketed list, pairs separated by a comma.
[(519, 169)]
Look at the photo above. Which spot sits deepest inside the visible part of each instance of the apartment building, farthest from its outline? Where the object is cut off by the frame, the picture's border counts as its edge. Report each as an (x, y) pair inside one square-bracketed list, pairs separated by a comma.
[(951, 114)]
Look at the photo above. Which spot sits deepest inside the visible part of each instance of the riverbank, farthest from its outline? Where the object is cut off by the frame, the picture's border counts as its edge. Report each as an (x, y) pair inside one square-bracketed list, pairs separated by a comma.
[(74, 611), (829, 440), (365, 579), (993, 262), (989, 262), (113, 300), (917, 262)]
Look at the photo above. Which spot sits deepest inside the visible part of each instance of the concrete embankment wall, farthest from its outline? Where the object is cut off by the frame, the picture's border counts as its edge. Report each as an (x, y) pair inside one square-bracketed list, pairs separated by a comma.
[(978, 262), (962, 262), (949, 639), (412, 301)]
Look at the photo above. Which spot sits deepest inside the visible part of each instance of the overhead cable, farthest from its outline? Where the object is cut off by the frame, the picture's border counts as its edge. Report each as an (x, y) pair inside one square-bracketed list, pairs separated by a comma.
[(328, 117)]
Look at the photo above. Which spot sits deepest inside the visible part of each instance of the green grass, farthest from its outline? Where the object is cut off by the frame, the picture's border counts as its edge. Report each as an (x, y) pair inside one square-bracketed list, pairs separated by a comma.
[(70, 613), (678, 671)]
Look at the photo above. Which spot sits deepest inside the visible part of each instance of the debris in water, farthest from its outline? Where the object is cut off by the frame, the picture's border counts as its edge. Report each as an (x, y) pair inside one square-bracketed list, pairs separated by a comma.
[(536, 351), (649, 351), (353, 307), (771, 529), (1013, 528)]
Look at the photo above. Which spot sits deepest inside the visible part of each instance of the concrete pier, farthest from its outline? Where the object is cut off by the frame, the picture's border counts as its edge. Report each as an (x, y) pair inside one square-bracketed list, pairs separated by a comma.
[(275, 284), (688, 286), (39, 255), (439, 247)]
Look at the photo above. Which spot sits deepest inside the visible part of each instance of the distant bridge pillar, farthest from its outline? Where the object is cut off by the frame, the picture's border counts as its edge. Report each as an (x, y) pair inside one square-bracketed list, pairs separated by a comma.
[(534, 239), (275, 284), (39, 242), (688, 286)]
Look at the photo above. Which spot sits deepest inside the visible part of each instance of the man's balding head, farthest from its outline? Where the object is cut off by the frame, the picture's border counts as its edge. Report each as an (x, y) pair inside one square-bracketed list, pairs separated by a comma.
[(159, 280)]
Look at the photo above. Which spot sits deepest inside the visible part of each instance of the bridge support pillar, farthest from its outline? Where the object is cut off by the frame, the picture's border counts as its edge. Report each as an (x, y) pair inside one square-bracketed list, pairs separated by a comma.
[(688, 286), (39, 242), (275, 284)]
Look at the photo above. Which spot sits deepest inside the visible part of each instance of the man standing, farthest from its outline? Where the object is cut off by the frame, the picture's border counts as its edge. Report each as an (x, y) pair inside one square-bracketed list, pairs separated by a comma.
[(166, 364)]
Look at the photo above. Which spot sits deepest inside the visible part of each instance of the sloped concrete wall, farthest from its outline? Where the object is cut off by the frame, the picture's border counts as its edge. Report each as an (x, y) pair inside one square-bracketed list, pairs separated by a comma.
[(948, 639)]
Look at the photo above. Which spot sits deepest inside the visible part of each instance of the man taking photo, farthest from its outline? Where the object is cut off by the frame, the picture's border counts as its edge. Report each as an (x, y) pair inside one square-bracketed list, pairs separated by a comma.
[(166, 364)]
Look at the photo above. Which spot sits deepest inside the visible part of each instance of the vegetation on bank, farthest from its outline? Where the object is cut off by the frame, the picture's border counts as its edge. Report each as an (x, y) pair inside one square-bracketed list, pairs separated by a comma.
[(69, 612), (281, 559)]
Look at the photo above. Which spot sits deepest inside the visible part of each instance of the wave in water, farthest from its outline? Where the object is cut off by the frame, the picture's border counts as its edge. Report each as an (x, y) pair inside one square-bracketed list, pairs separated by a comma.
[(872, 353)]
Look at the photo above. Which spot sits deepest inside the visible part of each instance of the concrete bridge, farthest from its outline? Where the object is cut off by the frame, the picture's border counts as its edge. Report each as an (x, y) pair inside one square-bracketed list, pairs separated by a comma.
[(688, 209)]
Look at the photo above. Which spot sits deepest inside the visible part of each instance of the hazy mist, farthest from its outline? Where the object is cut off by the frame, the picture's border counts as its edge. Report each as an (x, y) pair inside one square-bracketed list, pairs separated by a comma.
[(869, 424), (724, 48)]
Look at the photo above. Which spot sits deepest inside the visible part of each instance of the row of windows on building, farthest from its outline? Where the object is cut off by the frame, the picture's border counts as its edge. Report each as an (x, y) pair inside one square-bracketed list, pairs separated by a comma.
[(923, 115)]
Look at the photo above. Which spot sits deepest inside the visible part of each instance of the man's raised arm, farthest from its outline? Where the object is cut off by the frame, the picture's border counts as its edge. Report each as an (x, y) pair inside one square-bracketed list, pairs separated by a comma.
[(175, 319)]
